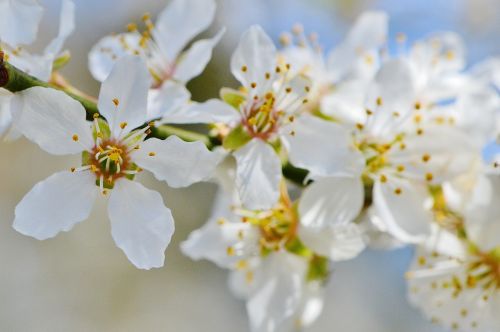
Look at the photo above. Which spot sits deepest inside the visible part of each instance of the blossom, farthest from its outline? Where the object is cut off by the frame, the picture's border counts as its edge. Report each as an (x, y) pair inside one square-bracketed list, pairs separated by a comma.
[(19, 26), (279, 257), (254, 123), (161, 46), (455, 278), (351, 63), (395, 164), (113, 153)]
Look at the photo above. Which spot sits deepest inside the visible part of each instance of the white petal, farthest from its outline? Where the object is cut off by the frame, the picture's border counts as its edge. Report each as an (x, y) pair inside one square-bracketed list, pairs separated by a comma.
[(19, 21), (214, 239), (128, 84), (180, 22), (56, 204), (39, 66), (346, 102), (280, 296), (50, 118), (338, 242), (178, 163), (196, 58), (488, 71), (141, 224), (257, 53), (393, 88), (210, 111), (333, 153), (5, 113), (258, 174), (404, 215), (170, 98), (66, 27), (331, 201), (369, 33), (104, 54)]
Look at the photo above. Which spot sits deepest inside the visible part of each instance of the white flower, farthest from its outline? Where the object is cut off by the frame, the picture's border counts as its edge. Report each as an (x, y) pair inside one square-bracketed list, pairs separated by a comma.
[(113, 153), (279, 257), (398, 164), (19, 22), (161, 46), (253, 123), (454, 280), (354, 60)]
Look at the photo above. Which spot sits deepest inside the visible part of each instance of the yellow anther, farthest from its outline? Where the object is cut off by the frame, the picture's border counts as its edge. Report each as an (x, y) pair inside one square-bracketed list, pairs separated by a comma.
[(398, 191), (221, 221), (305, 101), (73, 169), (116, 102), (429, 177), (308, 89), (241, 264), (95, 115), (379, 101), (152, 154), (151, 124), (417, 118), (420, 131), (268, 76), (418, 105), (422, 261), (230, 251), (400, 168), (146, 17), (244, 69), (132, 27), (368, 112), (426, 158), (253, 85), (288, 90), (360, 126), (75, 137), (383, 178), (123, 125)]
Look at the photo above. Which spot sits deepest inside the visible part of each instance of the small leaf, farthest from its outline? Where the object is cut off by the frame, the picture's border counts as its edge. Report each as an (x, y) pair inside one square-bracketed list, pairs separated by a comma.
[(236, 138), (232, 97)]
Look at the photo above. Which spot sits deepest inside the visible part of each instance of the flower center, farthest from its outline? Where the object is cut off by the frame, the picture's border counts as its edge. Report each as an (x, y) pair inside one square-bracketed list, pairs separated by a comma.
[(484, 271), (262, 118), (110, 161)]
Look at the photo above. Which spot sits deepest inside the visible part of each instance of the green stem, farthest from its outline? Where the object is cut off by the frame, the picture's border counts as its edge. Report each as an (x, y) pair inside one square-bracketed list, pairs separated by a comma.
[(14, 80)]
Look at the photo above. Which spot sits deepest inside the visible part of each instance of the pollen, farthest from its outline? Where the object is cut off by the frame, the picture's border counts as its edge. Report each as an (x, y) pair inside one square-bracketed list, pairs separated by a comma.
[(123, 125), (244, 69), (75, 137), (379, 101), (359, 126), (398, 191), (151, 154), (429, 177), (400, 168), (418, 105), (132, 27), (253, 85), (426, 158), (420, 131), (268, 76), (116, 102), (383, 178)]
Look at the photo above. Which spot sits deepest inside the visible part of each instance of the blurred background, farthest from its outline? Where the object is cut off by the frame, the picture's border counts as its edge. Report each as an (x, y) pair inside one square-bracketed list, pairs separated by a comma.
[(80, 281)]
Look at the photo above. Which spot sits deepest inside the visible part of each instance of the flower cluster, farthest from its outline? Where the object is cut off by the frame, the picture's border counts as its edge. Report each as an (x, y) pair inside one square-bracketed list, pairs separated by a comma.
[(317, 156)]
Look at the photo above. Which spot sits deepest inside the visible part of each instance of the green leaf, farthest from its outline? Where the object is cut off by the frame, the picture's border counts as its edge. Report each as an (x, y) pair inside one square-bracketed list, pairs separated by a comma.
[(232, 97), (236, 138)]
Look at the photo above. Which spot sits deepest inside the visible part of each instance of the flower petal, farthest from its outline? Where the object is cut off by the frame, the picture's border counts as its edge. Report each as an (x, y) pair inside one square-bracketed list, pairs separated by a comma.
[(170, 98), (196, 58), (141, 224), (400, 205), (222, 242), (19, 21), (54, 121), (104, 54), (177, 162), (56, 204), (66, 27), (334, 155), (5, 113), (254, 56), (180, 22), (210, 111), (368, 34), (331, 201), (258, 174), (338, 242), (123, 95)]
